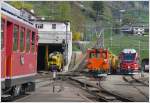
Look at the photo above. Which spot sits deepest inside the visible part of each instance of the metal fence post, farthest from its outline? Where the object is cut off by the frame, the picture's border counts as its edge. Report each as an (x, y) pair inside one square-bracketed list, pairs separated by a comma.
[(142, 75)]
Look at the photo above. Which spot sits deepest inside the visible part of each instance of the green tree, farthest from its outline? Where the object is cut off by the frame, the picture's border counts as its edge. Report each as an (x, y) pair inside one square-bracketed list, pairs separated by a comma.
[(128, 20), (107, 13), (64, 11), (21, 4), (77, 19), (98, 6)]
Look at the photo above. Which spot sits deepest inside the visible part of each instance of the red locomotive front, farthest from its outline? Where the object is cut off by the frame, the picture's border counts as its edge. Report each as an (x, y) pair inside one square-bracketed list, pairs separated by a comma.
[(129, 61), (98, 61)]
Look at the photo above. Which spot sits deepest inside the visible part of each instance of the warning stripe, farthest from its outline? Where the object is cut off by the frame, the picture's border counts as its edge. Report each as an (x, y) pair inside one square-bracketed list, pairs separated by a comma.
[(11, 66)]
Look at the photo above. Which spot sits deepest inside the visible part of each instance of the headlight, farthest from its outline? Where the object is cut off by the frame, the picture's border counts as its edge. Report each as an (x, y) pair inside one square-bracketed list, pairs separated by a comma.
[(105, 60)]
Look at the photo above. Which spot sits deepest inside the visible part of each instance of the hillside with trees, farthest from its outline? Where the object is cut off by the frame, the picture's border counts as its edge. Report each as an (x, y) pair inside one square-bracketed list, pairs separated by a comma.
[(86, 16)]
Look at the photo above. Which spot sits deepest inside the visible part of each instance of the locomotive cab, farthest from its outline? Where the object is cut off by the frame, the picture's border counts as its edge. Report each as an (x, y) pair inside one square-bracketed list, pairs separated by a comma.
[(98, 61), (55, 61), (129, 61)]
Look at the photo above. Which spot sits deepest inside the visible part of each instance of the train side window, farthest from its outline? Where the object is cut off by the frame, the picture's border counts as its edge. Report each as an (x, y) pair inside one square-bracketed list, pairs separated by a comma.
[(28, 41), (33, 41), (22, 39), (2, 33), (15, 37)]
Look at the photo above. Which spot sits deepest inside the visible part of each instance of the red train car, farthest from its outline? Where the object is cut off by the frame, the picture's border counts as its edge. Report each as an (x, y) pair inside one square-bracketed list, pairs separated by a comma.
[(18, 54)]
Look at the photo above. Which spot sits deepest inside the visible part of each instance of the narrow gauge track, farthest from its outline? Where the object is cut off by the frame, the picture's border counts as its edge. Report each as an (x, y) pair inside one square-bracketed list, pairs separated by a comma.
[(136, 87), (100, 93), (139, 81), (133, 80)]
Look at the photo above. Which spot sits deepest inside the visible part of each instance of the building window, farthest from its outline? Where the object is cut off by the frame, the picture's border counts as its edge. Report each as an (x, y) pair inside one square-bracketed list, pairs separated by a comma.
[(22, 39), (28, 40), (53, 26), (2, 34), (39, 26), (15, 37)]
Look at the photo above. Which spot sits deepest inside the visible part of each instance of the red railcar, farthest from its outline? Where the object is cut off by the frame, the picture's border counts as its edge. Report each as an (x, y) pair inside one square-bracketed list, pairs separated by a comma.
[(18, 54), (129, 61)]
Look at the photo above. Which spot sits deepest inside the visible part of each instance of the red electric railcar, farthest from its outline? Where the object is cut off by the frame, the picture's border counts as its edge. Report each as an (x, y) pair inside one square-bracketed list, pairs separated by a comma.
[(18, 54), (129, 61)]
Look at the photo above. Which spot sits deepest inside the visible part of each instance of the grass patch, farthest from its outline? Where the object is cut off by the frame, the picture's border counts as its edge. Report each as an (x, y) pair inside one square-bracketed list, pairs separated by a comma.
[(120, 42)]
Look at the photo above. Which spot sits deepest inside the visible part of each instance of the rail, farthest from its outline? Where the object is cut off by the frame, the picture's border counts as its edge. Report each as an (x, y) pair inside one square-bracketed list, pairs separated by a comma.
[(100, 93), (131, 82)]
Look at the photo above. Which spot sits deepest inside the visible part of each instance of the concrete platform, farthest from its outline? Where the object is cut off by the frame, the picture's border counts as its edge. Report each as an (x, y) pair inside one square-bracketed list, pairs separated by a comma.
[(64, 92)]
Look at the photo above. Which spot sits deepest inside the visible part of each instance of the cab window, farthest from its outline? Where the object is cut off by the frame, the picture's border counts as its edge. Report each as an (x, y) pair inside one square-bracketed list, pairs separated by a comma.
[(15, 37), (92, 55), (22, 39)]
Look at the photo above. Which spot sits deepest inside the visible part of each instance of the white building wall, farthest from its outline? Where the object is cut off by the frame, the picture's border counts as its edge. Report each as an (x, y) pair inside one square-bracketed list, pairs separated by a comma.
[(47, 35), (69, 53), (60, 26)]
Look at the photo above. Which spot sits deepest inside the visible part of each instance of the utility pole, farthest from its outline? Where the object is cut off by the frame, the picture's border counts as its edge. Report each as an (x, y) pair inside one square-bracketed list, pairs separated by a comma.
[(140, 59), (66, 46)]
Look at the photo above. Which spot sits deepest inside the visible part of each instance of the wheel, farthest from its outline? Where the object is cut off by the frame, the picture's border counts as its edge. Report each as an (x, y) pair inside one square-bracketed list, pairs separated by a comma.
[(32, 86), (23, 90), (16, 90)]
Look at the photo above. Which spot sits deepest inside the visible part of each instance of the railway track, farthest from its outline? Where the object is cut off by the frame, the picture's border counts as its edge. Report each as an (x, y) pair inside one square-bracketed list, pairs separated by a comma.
[(134, 80), (100, 93), (140, 81), (131, 79)]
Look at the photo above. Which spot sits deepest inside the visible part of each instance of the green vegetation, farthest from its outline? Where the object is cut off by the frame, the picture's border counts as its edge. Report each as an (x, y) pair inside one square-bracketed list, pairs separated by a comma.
[(120, 42), (20, 5), (85, 16), (135, 16), (75, 48), (88, 17)]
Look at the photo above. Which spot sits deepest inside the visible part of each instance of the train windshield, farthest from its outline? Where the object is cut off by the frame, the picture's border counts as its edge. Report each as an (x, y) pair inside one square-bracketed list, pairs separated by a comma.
[(92, 55), (97, 55), (129, 57)]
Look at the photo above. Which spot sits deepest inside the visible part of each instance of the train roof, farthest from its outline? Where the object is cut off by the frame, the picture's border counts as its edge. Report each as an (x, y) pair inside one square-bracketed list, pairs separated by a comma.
[(14, 13), (129, 51)]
